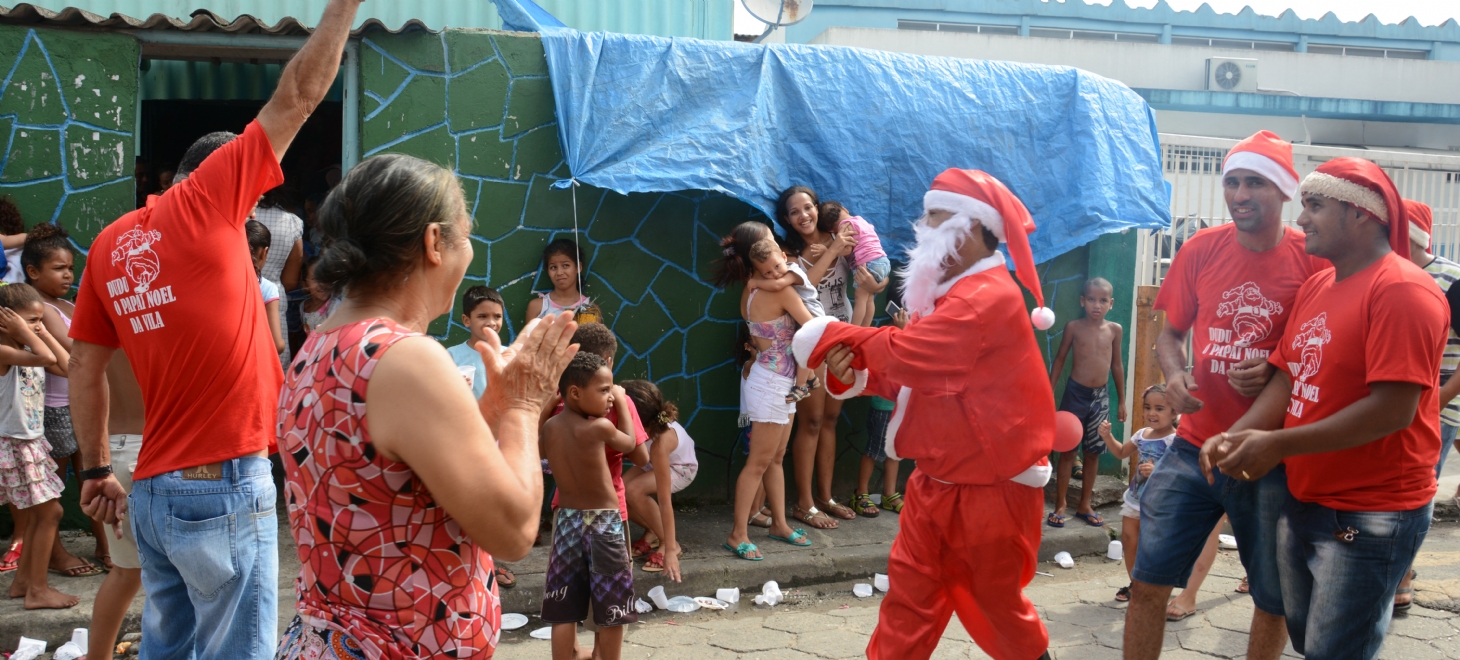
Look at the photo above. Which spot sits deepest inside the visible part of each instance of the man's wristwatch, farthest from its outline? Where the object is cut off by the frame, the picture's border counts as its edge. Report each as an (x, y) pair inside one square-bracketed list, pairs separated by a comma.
[(97, 472)]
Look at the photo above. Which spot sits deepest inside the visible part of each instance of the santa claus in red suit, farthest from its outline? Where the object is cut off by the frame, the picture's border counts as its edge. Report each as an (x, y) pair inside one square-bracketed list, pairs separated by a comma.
[(974, 409)]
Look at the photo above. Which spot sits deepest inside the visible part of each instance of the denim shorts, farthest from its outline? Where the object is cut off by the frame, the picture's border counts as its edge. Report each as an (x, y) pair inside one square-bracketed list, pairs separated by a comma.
[(1179, 509), (1447, 440), (877, 421), (1338, 588), (879, 268)]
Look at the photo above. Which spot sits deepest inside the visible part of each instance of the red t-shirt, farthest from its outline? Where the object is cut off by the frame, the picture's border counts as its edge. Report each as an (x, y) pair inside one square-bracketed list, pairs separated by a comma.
[(615, 457), (173, 285), (1235, 303), (1386, 323)]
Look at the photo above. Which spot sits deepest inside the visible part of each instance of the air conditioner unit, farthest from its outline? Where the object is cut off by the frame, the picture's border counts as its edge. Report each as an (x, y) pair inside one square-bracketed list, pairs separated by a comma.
[(1231, 74)]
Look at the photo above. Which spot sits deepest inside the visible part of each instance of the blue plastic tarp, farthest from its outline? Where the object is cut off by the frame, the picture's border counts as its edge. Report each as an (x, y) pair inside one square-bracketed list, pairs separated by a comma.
[(867, 128)]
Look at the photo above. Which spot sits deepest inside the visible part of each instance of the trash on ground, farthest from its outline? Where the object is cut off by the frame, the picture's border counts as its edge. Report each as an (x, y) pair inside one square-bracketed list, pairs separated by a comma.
[(682, 604), (656, 595), (880, 581), (862, 590), (770, 594), (29, 649), (1064, 560), (545, 632), (76, 648), (642, 606), (1115, 551), (731, 595), (1044, 574), (711, 603), (1227, 542), (513, 621)]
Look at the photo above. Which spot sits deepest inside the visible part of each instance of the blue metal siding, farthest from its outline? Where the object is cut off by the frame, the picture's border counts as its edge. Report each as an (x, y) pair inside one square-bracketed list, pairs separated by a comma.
[(704, 19)]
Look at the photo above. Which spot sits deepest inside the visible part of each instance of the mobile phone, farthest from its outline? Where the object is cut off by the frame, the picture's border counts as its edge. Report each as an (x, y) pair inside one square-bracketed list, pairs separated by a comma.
[(893, 308)]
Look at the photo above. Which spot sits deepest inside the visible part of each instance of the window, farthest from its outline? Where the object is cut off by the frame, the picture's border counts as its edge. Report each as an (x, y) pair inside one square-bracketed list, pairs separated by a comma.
[(961, 27), (1352, 51), (1049, 34), (1094, 36)]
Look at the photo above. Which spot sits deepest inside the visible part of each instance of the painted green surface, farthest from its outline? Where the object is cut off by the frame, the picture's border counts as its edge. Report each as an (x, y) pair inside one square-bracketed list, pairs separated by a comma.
[(66, 118), (480, 102)]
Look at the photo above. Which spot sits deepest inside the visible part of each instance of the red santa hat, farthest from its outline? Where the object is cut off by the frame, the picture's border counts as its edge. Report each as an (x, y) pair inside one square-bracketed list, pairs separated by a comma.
[(1268, 155), (1363, 184), (980, 197), (1421, 222)]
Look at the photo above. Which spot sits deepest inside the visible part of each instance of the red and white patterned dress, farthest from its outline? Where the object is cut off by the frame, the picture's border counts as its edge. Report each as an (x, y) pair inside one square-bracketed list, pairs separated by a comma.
[(382, 562)]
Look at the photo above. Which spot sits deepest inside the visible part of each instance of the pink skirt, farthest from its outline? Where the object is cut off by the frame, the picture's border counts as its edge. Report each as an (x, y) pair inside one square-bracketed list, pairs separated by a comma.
[(28, 473)]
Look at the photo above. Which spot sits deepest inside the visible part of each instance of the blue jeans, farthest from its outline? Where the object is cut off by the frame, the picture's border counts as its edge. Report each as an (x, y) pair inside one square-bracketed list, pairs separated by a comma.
[(210, 563), (1179, 509), (1339, 595), (1447, 440)]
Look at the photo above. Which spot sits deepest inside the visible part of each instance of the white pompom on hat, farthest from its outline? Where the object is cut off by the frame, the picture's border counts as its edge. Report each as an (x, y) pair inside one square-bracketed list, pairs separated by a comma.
[(987, 201)]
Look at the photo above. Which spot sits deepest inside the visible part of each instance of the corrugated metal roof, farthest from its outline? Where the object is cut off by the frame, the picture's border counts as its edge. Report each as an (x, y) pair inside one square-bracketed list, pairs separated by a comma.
[(704, 19)]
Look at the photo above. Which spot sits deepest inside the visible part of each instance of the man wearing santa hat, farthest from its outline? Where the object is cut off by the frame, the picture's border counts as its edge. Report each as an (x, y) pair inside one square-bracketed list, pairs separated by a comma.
[(1354, 413), (1230, 290), (974, 410), (1445, 273)]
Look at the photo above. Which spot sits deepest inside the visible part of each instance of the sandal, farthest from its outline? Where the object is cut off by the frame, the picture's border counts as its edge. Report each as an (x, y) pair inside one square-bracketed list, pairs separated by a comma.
[(812, 383), (813, 517), (1055, 520), (864, 506), (743, 551), (1403, 608), (505, 578), (1181, 614), (86, 569), (11, 560), (839, 510), (106, 561), (1242, 587), (640, 548), (798, 392), (1078, 472), (655, 564), (762, 519), (1122, 595), (892, 502), (1091, 519), (797, 538)]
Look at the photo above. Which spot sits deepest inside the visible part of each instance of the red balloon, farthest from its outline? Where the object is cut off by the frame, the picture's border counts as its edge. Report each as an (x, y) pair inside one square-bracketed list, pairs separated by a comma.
[(1068, 431)]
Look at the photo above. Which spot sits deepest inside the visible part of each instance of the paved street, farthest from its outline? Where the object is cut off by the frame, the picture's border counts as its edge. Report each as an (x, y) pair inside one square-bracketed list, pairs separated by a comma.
[(1085, 622)]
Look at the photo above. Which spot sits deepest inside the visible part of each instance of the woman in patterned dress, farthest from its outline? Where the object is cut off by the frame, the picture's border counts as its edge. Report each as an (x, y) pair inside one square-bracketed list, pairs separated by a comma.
[(389, 459)]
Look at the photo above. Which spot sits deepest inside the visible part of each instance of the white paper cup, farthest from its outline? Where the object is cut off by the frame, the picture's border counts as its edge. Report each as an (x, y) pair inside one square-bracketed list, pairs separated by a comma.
[(1116, 551), (659, 599), (862, 590), (1064, 560), (731, 595), (880, 581)]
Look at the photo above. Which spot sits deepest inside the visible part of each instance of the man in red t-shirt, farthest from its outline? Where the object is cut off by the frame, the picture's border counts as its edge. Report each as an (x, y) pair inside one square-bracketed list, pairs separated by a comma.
[(1230, 289), (1356, 404), (173, 285)]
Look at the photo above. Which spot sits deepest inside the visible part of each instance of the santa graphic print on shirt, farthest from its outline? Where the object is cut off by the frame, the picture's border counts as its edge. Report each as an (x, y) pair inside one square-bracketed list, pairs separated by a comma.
[(1309, 342), (135, 248), (1251, 313), (139, 300)]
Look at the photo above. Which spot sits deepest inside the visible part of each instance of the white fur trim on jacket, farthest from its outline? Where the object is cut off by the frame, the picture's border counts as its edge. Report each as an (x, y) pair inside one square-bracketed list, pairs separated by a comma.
[(806, 339), (890, 440), (942, 200), (1036, 476), (1420, 236), (857, 386), (1266, 167), (1344, 190)]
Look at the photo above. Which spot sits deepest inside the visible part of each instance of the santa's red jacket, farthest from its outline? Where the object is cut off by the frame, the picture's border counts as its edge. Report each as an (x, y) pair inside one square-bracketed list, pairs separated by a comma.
[(974, 404)]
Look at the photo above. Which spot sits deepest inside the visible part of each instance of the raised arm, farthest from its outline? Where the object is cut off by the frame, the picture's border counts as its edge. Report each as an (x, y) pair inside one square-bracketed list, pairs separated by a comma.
[(1118, 449), (613, 436), (39, 355), (62, 355), (777, 284), (308, 76)]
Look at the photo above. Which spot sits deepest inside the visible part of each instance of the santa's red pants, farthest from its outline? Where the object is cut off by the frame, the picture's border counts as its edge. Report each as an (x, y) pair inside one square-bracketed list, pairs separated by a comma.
[(964, 549)]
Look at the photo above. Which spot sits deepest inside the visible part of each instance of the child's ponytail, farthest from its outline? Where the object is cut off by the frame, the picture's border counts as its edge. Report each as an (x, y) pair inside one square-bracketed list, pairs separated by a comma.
[(655, 413), (734, 263)]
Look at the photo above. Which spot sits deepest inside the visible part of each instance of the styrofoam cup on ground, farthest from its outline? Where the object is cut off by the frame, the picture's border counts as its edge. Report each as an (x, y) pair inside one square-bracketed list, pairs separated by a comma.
[(642, 606), (1227, 541), (1064, 560), (545, 632), (513, 621), (880, 581), (731, 595), (770, 594), (682, 604), (656, 595), (862, 590), (1116, 551)]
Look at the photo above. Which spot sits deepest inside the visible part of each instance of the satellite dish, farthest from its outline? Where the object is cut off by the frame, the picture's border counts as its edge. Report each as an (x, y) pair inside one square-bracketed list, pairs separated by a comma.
[(777, 13)]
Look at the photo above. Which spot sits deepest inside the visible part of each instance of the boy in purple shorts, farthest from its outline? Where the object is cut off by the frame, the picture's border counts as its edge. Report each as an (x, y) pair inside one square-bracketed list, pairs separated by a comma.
[(589, 563)]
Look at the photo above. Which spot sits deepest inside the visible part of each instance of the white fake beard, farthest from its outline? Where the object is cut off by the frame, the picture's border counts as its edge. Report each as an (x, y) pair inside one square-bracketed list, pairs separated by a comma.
[(936, 251)]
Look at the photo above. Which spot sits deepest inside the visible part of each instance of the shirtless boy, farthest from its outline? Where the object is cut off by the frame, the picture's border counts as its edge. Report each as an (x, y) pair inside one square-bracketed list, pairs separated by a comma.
[(1096, 358), (589, 561)]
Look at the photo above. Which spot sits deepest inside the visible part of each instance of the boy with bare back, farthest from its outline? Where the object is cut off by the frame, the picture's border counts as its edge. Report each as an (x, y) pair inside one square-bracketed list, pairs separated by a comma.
[(589, 561), (1096, 344)]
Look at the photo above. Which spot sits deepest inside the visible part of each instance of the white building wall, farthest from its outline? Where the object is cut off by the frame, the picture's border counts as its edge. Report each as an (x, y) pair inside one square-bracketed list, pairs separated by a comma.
[(1405, 135)]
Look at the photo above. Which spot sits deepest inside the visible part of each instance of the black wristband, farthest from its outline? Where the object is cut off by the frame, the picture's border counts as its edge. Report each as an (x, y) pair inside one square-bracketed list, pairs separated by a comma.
[(94, 473)]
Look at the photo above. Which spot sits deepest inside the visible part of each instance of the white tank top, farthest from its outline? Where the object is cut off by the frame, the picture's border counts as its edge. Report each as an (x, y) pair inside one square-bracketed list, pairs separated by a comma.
[(550, 307), (684, 454)]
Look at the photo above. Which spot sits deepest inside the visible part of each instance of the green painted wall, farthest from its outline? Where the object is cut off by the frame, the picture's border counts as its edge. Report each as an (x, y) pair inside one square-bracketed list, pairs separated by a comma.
[(480, 102)]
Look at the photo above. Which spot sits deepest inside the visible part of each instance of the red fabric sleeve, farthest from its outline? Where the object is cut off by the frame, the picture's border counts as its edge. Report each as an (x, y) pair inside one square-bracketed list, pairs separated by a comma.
[(1415, 322), (89, 321), (640, 435), (934, 355), (234, 176), (1177, 296)]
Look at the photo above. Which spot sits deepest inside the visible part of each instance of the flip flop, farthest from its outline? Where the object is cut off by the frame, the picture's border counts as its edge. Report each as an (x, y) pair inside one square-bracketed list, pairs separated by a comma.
[(797, 537), (837, 509), (640, 548), (1242, 586), (1055, 520), (1091, 519), (813, 517), (1403, 608), (742, 550), (11, 560), (1185, 614), (655, 564), (87, 569), (505, 578)]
